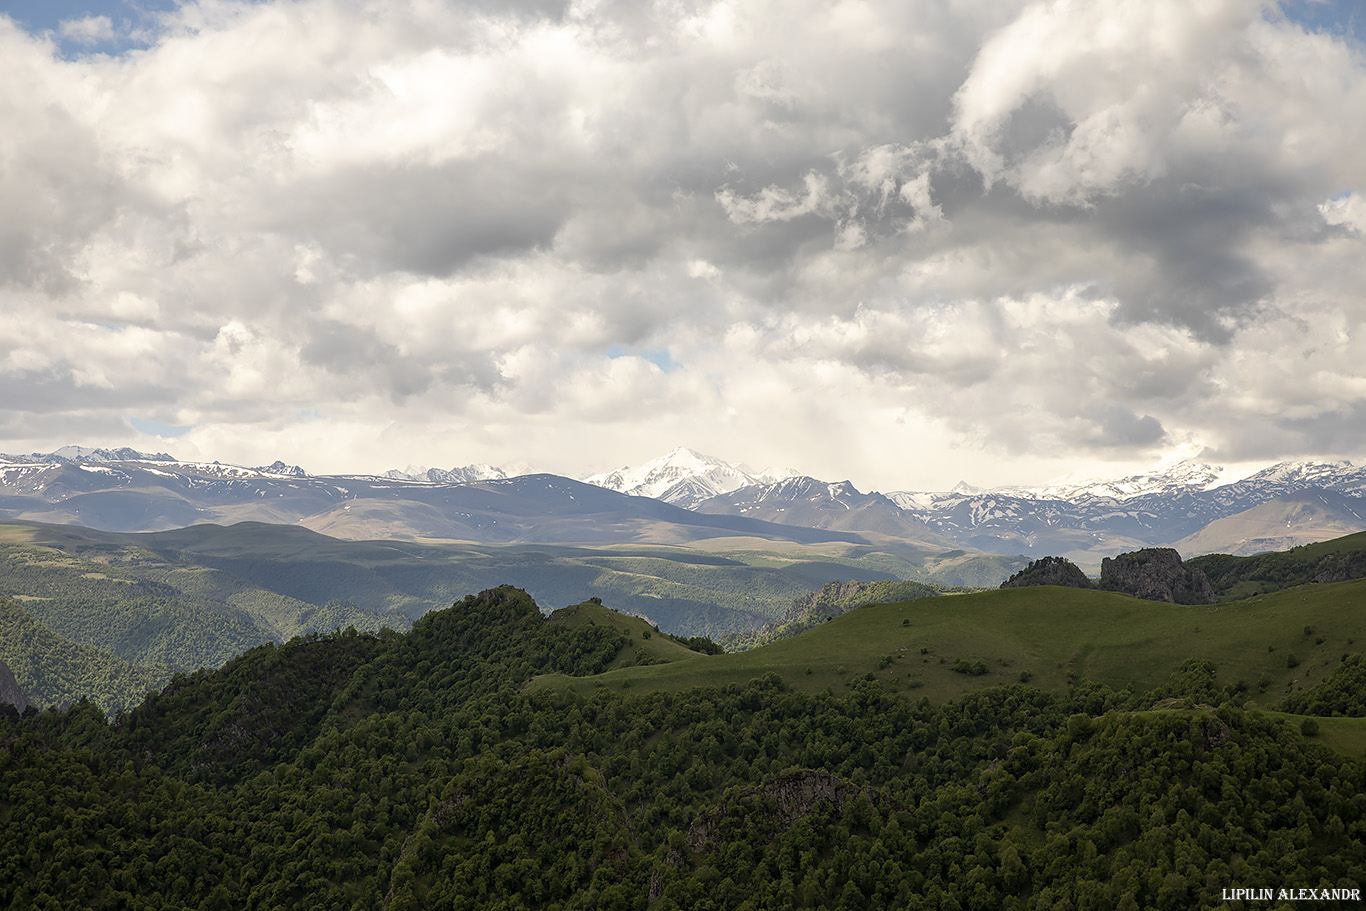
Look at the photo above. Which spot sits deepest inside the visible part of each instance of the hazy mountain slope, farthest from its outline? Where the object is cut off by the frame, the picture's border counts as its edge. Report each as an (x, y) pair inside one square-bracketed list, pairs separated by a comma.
[(290, 580), (1289, 520), (119, 612), (807, 502), (52, 669), (147, 496), (546, 509)]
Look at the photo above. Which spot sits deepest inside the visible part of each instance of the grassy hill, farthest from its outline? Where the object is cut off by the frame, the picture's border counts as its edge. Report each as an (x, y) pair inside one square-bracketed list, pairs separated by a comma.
[(1270, 645), (1235, 577), (645, 644), (417, 770)]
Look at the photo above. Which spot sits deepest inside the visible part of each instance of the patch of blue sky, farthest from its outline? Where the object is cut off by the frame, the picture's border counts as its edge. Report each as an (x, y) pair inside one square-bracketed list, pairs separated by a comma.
[(1339, 18), (158, 429), (89, 26), (658, 356)]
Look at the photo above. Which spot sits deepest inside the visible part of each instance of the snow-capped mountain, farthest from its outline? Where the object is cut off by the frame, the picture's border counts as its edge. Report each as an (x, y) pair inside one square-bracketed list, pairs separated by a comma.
[(463, 474), (1097, 518), (812, 503), (682, 477), (124, 489), (1185, 476), (1342, 477), (87, 454)]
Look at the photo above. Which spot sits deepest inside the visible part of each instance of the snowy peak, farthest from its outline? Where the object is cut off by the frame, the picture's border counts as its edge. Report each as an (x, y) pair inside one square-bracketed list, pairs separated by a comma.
[(798, 488), (1186, 476), (683, 477), (1342, 476), (464, 474), (88, 454), (280, 469)]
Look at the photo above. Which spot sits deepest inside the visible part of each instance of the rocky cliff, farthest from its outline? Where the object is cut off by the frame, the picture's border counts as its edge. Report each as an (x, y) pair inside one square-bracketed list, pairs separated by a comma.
[(10, 691), (1155, 574), (1050, 571)]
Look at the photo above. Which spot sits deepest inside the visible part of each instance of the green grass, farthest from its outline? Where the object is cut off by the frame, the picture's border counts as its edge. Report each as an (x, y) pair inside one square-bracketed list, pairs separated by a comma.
[(17, 534), (1345, 735), (1049, 634), (643, 638)]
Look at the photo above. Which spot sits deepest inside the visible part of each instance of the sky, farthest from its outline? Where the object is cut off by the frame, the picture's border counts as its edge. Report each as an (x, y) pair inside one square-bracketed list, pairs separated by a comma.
[(905, 243)]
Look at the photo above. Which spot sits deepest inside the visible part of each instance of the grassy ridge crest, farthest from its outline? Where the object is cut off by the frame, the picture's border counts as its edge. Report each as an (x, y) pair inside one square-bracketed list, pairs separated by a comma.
[(1272, 645)]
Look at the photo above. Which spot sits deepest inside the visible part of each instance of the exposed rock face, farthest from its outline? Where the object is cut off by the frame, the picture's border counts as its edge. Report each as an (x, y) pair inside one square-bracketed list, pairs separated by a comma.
[(1156, 574), (1049, 571), (1341, 567), (10, 692)]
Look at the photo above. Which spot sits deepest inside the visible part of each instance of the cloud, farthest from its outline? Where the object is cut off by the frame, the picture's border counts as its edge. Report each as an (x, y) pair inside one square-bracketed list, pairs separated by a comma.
[(88, 30), (1002, 236)]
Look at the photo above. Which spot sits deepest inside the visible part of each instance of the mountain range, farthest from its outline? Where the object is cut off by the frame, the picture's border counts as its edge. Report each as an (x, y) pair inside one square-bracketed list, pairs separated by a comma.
[(685, 497), (685, 478)]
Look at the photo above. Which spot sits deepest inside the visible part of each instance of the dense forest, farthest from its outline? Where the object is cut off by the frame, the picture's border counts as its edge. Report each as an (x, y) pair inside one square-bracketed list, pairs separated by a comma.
[(413, 770)]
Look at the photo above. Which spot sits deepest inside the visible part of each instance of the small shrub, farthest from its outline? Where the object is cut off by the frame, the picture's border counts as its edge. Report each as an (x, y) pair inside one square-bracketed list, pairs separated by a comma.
[(1292, 660), (1309, 727)]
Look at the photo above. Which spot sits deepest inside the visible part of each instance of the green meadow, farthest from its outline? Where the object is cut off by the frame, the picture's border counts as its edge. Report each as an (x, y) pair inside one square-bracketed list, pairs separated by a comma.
[(1268, 646)]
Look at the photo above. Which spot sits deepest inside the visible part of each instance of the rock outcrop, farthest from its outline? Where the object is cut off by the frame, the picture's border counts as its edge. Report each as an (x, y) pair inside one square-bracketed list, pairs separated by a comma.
[(10, 691), (1050, 571), (1341, 567), (1156, 574)]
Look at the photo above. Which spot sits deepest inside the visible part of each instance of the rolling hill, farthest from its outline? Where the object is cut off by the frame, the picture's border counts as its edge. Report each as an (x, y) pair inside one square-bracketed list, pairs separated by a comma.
[(194, 597), (1268, 646)]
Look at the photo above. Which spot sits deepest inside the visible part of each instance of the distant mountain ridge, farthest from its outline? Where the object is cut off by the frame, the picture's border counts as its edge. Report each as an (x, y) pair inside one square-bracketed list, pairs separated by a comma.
[(463, 474), (124, 489), (822, 504), (1087, 521), (88, 454)]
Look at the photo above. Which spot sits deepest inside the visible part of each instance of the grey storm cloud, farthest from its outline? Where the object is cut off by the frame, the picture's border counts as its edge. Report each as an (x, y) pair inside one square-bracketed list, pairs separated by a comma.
[(427, 220)]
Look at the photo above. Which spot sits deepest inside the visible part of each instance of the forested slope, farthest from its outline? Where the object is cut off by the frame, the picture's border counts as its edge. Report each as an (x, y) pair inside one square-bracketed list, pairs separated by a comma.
[(413, 770)]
